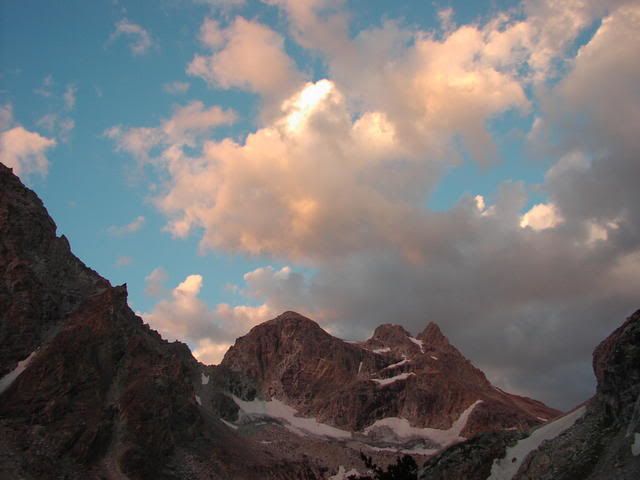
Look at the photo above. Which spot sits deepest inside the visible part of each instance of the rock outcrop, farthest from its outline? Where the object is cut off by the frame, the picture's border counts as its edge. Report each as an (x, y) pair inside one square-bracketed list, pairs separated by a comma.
[(424, 380), (597, 441), (87, 390)]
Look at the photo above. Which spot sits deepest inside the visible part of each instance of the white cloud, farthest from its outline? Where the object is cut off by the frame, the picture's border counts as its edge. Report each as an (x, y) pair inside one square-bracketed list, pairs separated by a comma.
[(185, 125), (541, 217), (58, 125), (131, 227), (70, 97), (209, 331), (44, 90), (222, 4), (124, 261), (24, 151), (337, 177), (176, 88), (155, 281), (140, 39), (246, 55), (6, 116)]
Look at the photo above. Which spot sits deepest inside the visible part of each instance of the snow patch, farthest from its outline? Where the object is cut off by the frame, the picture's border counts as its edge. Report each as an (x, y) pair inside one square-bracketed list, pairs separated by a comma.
[(343, 474), (387, 381), (434, 357), (204, 379), (382, 350), (359, 367), (542, 419), (635, 448), (402, 362), (198, 401), (9, 378), (418, 342), (299, 425), (403, 429), (229, 424), (505, 468)]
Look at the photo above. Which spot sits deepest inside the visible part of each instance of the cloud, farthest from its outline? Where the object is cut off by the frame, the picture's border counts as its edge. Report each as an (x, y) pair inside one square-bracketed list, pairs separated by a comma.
[(154, 282), (140, 39), (246, 55), (44, 90), (336, 179), (58, 125), (185, 125), (24, 151), (123, 261), (6, 116), (209, 331), (131, 227), (222, 4), (176, 88), (70, 97), (541, 217)]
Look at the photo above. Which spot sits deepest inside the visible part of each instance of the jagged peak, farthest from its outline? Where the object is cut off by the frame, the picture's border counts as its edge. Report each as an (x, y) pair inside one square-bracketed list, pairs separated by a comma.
[(291, 316), (390, 333), (432, 335), (290, 320)]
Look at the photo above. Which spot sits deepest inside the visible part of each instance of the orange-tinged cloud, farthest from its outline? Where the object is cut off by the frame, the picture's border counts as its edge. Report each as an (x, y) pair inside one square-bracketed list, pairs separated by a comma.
[(246, 55)]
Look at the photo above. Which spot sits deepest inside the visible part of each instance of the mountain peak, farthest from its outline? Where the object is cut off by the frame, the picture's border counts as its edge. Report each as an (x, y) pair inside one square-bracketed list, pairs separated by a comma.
[(291, 320), (390, 333), (432, 335)]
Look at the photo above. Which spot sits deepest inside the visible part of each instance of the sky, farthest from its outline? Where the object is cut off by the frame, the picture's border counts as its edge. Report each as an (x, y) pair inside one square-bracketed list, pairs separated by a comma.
[(362, 162)]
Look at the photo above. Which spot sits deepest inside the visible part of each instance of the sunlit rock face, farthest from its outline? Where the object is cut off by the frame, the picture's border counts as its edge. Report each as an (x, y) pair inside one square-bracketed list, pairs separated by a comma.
[(423, 380)]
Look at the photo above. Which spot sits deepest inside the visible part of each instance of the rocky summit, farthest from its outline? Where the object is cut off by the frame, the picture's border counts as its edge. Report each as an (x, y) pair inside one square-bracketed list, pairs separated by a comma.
[(88, 390), (421, 381)]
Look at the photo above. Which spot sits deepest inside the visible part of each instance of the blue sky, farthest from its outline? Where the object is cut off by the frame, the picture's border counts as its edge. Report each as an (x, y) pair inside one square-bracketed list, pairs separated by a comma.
[(90, 187), (497, 137)]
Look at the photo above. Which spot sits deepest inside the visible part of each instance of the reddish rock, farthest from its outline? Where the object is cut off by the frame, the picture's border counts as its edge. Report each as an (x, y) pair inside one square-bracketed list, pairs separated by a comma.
[(292, 359), (103, 396)]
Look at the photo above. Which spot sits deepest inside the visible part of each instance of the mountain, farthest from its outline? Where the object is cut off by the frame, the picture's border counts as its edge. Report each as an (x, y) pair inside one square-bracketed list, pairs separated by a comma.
[(392, 379), (599, 440), (87, 390)]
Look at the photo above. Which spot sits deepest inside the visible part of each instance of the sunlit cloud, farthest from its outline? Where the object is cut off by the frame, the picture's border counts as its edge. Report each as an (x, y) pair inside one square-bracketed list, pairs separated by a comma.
[(21, 149), (131, 227), (140, 40)]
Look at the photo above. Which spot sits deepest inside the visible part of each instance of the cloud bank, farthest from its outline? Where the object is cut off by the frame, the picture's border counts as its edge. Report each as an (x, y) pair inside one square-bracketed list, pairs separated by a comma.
[(335, 181)]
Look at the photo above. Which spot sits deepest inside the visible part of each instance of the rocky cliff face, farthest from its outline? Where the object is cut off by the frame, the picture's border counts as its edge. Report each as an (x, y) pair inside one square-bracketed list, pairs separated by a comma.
[(86, 389), (597, 441), (423, 380)]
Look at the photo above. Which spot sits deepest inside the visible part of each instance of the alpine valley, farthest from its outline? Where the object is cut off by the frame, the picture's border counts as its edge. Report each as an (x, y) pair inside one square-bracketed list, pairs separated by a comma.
[(88, 390)]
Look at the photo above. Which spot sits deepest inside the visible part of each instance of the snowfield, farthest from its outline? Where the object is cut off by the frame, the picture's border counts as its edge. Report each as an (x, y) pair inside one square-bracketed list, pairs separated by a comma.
[(281, 411), (403, 429), (505, 468)]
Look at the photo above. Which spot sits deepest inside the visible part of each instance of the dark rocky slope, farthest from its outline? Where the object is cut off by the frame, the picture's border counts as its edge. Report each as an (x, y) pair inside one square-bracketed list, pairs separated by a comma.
[(602, 444), (102, 395)]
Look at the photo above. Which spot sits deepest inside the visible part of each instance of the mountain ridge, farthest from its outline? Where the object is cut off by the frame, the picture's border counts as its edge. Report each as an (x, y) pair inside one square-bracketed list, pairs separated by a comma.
[(89, 390)]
